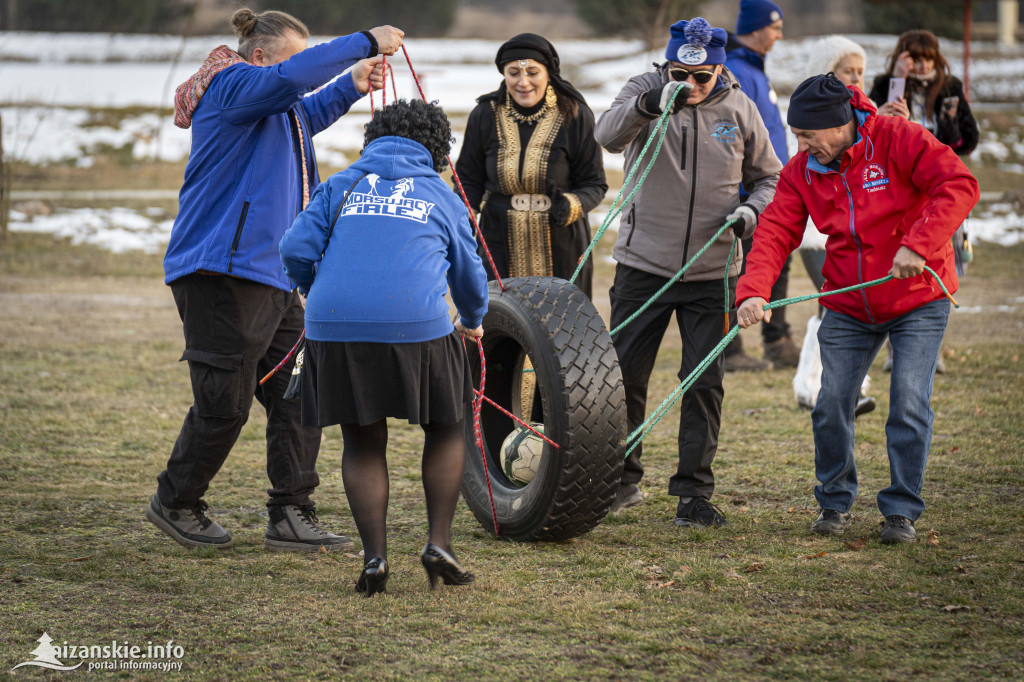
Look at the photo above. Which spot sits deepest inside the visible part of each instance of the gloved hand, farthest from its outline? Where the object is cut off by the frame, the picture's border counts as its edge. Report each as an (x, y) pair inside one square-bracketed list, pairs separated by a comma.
[(746, 221), (655, 100), (558, 214)]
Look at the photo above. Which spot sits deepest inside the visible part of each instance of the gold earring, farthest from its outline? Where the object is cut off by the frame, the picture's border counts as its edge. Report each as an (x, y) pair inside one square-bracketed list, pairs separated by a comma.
[(550, 98)]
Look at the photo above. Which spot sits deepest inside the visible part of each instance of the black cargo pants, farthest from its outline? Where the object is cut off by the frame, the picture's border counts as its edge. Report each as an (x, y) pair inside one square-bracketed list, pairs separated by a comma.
[(698, 307), (236, 331)]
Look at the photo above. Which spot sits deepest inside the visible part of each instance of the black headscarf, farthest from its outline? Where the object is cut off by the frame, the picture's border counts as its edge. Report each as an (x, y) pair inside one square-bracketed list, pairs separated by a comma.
[(539, 48)]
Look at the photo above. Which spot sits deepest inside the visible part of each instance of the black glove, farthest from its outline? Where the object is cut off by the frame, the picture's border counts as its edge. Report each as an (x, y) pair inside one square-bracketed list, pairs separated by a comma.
[(560, 207), (746, 220), (655, 100)]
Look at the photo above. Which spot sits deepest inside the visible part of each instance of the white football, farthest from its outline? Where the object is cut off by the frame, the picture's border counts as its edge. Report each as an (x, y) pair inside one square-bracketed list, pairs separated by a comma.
[(521, 453)]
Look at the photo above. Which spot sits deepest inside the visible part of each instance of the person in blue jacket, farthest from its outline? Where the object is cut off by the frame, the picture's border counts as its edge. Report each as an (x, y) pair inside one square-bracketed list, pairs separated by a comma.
[(250, 172), (377, 249), (758, 27)]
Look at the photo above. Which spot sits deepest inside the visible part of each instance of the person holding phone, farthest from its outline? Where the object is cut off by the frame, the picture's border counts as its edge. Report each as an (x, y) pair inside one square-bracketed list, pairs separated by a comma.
[(931, 95), (934, 98), (715, 141)]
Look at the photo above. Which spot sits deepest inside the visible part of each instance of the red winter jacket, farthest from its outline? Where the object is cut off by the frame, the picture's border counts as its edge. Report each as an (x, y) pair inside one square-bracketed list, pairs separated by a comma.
[(897, 186)]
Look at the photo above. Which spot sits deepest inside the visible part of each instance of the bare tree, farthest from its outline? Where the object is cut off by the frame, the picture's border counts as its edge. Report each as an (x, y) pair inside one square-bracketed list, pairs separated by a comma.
[(645, 19)]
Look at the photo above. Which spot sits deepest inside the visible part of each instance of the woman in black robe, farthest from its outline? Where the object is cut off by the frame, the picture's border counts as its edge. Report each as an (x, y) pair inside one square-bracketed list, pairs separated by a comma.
[(530, 165)]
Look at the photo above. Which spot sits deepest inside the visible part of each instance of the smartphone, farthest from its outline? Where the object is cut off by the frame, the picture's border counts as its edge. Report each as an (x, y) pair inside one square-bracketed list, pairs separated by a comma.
[(896, 88)]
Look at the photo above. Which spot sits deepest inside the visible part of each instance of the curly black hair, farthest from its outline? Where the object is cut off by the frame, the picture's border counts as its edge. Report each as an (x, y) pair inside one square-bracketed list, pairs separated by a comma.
[(417, 120)]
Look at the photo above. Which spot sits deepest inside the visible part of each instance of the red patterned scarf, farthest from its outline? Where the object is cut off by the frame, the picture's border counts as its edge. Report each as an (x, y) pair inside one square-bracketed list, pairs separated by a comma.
[(188, 94)]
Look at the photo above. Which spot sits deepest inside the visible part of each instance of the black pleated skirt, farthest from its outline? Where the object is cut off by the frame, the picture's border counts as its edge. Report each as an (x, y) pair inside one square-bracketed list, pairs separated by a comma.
[(346, 382)]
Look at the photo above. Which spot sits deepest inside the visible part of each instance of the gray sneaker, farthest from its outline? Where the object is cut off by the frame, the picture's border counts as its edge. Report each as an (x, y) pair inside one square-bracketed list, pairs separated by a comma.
[(189, 526), (831, 522), (294, 529), (897, 528), (627, 495)]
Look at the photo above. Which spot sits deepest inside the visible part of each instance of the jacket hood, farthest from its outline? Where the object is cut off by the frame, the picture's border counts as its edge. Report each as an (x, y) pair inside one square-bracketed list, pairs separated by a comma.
[(861, 102), (188, 94), (394, 157)]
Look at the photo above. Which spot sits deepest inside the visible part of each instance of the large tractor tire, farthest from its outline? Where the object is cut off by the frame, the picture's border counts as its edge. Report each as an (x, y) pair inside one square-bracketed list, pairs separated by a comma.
[(575, 389)]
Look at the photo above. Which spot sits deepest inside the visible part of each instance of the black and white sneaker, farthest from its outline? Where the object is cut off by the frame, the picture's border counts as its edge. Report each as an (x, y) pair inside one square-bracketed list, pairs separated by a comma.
[(699, 512), (189, 526), (295, 529)]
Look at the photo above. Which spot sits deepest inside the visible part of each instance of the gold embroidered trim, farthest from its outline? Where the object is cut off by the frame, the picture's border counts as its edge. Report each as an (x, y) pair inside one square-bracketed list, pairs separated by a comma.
[(575, 208), (302, 160), (529, 232)]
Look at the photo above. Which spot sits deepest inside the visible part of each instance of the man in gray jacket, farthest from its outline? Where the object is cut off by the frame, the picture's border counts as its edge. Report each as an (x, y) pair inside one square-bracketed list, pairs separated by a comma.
[(715, 141)]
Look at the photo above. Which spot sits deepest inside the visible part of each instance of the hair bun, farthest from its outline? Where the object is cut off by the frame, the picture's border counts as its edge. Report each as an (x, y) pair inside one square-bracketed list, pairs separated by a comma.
[(243, 22)]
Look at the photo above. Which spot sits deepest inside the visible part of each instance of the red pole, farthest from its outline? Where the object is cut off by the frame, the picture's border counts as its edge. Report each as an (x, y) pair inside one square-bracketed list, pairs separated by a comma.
[(967, 49)]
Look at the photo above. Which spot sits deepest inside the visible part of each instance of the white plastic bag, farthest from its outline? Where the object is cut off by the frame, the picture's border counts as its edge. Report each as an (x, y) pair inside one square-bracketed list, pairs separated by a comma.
[(807, 382)]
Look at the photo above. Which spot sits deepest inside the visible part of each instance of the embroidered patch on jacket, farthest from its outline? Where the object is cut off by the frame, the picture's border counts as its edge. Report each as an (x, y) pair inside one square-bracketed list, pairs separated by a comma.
[(724, 130), (875, 177), (388, 198)]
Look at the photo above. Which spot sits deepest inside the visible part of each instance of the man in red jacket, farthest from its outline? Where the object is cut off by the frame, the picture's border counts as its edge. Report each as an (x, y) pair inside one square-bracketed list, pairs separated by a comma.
[(888, 197)]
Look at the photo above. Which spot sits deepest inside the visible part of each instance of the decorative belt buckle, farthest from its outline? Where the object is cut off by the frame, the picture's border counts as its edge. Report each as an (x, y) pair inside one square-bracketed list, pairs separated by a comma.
[(540, 202), (537, 203)]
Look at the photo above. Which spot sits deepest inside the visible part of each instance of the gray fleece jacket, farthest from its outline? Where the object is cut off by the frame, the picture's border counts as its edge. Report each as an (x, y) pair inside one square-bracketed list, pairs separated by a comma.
[(709, 149)]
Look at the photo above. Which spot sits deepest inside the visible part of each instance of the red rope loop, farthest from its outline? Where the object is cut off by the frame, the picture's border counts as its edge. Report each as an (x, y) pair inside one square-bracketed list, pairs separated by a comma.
[(458, 184), (515, 418), (286, 359), (478, 433)]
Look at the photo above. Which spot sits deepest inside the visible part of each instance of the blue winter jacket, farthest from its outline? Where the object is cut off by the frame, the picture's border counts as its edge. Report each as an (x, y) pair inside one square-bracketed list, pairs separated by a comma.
[(402, 239), (748, 67), (243, 181)]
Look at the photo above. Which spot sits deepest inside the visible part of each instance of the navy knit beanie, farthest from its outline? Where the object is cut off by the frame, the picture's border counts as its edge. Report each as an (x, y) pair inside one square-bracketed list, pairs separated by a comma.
[(696, 42), (755, 14), (818, 103)]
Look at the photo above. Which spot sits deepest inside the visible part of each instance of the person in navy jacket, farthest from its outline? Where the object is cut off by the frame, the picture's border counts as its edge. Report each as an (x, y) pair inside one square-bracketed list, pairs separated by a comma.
[(250, 172), (758, 27), (377, 249)]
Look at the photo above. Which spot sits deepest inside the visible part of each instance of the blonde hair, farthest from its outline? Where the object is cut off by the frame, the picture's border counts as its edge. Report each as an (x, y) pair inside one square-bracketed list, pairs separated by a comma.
[(263, 30)]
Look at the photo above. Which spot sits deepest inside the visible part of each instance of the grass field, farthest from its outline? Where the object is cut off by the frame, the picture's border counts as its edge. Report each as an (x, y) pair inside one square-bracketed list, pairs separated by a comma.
[(93, 398)]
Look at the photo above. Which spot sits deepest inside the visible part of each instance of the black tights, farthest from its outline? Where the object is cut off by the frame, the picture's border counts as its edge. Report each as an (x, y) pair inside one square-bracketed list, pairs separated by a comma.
[(364, 470)]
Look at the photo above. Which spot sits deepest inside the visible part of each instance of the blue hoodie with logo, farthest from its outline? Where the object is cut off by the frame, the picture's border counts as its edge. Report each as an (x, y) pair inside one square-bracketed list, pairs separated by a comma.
[(401, 240), (243, 181)]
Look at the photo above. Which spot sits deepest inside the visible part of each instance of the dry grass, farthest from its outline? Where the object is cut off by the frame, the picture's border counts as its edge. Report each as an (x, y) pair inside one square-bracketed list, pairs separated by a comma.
[(94, 397)]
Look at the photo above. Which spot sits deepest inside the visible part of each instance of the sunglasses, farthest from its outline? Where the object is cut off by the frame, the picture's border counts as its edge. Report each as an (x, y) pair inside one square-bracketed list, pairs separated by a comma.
[(700, 77)]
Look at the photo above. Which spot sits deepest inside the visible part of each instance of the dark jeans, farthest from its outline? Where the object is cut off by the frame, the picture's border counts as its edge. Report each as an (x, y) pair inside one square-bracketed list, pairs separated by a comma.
[(848, 346), (698, 307), (236, 331), (775, 329)]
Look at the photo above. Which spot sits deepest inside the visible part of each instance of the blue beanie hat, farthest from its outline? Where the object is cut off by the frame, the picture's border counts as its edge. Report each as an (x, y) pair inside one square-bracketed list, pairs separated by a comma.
[(695, 42), (755, 14), (820, 102)]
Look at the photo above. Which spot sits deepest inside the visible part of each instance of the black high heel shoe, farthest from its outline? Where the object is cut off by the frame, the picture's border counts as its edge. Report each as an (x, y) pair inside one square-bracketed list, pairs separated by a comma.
[(374, 577), (440, 564)]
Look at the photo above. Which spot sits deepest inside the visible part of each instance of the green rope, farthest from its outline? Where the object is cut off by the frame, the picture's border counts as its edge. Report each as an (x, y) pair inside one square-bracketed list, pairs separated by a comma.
[(675, 277), (637, 436), (725, 280), (614, 211)]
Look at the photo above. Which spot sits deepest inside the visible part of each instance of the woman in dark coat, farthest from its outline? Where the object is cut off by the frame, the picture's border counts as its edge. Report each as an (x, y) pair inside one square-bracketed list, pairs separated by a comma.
[(530, 165), (933, 96)]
